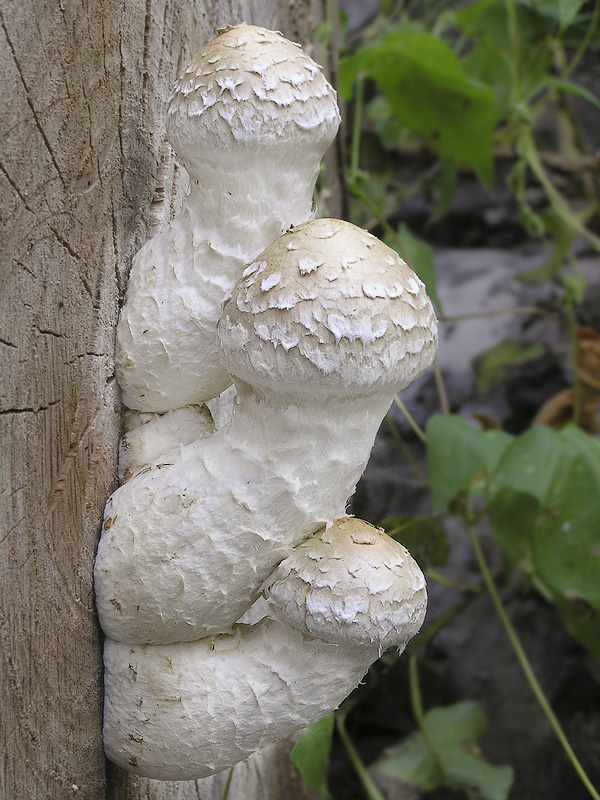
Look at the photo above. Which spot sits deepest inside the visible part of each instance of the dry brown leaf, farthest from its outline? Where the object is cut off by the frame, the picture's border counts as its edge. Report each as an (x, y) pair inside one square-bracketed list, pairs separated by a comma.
[(486, 421), (588, 357), (558, 411)]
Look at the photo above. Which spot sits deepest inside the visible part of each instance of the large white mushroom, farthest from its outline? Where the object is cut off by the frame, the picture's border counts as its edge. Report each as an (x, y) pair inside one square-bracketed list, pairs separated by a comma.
[(319, 334), (250, 118), (188, 710), (239, 601)]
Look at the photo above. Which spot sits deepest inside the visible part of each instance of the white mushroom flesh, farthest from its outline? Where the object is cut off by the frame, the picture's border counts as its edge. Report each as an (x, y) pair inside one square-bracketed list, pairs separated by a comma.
[(350, 583), (239, 601), (188, 544), (250, 118), (189, 710)]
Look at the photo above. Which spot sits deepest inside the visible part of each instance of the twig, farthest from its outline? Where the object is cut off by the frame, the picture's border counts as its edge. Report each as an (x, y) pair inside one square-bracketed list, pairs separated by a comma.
[(525, 664), (441, 387), (584, 44), (410, 419), (356, 128), (367, 782), (531, 155), (227, 784), (417, 709), (574, 359), (422, 476), (496, 312)]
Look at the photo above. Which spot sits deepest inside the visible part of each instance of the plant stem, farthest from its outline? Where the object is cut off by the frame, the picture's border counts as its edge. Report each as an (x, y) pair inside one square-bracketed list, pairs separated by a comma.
[(584, 44), (417, 709), (367, 782), (574, 360), (469, 593), (525, 664), (356, 128), (381, 220), (227, 784), (420, 473), (441, 387), (442, 579), (410, 419), (496, 312), (531, 155), (513, 30)]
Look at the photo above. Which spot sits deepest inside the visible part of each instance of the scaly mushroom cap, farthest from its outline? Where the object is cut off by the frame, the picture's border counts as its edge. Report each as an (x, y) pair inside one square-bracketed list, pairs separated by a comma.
[(251, 85), (328, 308), (350, 585)]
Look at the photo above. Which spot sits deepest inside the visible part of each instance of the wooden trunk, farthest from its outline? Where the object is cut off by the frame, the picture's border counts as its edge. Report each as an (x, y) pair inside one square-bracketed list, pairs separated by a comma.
[(85, 176)]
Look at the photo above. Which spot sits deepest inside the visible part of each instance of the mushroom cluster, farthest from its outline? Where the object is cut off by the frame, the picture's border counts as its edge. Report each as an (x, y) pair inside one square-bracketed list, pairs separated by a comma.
[(239, 600), (250, 118)]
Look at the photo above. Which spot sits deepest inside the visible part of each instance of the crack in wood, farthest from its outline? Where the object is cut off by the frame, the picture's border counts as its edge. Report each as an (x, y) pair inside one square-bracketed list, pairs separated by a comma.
[(68, 247), (48, 332), (15, 188), (77, 440), (36, 119), (12, 529), (146, 50), (29, 409)]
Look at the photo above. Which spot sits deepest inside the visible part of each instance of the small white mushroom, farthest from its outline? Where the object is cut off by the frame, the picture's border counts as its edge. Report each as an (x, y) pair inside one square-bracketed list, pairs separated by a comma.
[(250, 118), (317, 357), (189, 710), (350, 584)]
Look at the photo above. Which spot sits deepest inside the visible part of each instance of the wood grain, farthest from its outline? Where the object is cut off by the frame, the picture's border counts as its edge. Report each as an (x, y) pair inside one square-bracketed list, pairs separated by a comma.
[(84, 172)]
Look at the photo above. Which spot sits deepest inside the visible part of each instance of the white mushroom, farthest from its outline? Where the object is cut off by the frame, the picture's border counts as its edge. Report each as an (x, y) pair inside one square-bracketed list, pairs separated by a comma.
[(150, 440), (320, 333), (350, 584), (189, 710), (250, 118)]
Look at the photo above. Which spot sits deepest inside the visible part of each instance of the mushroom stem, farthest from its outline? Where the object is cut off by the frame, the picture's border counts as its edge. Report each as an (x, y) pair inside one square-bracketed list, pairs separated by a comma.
[(222, 514), (180, 277), (192, 709), (189, 710), (319, 335)]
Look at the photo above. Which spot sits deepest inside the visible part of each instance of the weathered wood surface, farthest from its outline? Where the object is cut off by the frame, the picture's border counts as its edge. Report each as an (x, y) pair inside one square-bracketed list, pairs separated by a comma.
[(84, 173)]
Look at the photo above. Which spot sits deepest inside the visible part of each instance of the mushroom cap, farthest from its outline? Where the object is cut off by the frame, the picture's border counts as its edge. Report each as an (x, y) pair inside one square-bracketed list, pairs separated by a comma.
[(350, 584), (250, 85), (325, 309)]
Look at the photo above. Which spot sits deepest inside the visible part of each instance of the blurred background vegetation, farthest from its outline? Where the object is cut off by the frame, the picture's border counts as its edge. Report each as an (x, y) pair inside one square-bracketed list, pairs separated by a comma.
[(472, 147)]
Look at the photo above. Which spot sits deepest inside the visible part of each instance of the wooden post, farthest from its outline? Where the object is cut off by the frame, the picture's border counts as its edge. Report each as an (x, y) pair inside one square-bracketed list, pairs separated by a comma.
[(84, 172)]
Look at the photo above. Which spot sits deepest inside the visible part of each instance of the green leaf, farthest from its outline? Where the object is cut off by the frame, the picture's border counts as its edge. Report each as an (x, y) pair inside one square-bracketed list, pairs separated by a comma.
[(491, 66), (456, 453), (566, 540), (384, 123), (574, 88), (541, 503), (453, 732), (529, 463), (449, 179), (492, 58), (310, 754), (519, 489), (467, 17), (513, 516), (490, 17), (420, 257), (578, 31), (431, 94), (567, 11), (563, 234), (425, 537), (492, 366)]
